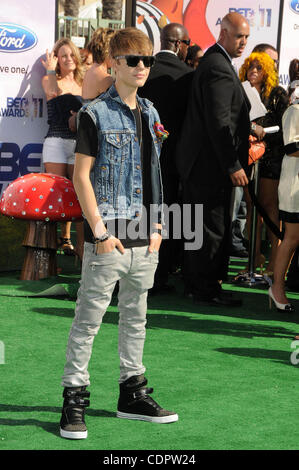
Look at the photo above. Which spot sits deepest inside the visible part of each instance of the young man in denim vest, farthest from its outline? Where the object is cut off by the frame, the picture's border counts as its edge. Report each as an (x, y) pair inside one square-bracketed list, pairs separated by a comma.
[(117, 180)]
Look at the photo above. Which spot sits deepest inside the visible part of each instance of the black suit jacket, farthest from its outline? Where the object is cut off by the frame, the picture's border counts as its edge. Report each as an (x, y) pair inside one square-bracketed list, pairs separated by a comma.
[(168, 87), (214, 138)]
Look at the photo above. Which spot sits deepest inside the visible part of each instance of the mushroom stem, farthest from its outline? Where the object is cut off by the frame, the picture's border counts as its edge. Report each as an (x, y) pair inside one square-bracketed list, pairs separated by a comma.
[(40, 242)]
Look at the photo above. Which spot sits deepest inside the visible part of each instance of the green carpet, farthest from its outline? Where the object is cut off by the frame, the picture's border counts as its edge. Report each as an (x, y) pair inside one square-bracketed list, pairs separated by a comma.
[(226, 372)]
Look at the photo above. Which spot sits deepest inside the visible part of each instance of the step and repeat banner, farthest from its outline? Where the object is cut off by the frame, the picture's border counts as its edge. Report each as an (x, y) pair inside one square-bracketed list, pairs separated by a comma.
[(202, 19), (27, 29)]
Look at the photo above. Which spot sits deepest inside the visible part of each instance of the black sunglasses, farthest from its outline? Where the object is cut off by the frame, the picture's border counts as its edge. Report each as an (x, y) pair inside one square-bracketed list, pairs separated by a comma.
[(185, 41), (133, 60)]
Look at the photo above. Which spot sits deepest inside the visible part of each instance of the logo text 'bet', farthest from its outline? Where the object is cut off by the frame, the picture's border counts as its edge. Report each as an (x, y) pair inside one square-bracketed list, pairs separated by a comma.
[(16, 38)]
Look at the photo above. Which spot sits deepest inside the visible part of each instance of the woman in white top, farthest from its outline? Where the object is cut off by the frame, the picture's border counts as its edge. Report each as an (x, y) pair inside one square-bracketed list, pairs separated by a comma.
[(288, 193)]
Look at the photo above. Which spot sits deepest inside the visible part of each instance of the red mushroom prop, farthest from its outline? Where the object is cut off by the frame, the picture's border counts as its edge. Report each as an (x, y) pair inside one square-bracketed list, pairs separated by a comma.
[(43, 199)]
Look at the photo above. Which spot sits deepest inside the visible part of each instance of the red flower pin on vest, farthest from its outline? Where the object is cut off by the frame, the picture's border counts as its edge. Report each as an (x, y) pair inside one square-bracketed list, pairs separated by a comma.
[(160, 132)]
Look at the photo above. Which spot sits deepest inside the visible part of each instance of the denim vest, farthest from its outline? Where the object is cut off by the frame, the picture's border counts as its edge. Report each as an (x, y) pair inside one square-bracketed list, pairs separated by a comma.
[(116, 176)]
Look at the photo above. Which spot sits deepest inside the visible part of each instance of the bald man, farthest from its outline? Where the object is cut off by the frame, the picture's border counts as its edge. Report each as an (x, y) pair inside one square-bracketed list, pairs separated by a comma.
[(214, 139), (167, 87)]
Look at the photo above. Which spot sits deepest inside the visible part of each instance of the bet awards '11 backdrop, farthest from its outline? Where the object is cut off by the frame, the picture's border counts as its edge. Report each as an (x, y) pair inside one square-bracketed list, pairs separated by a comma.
[(202, 19)]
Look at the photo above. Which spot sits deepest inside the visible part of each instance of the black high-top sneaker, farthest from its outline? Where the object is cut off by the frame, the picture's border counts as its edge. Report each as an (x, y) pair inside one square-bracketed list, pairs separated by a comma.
[(135, 403), (72, 423)]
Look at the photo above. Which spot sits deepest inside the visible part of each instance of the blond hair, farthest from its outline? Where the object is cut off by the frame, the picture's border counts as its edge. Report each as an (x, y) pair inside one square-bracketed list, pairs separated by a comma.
[(79, 71), (270, 79)]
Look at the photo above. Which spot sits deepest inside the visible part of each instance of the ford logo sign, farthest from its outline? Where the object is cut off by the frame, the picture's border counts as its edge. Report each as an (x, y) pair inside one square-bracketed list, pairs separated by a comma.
[(294, 4), (16, 38)]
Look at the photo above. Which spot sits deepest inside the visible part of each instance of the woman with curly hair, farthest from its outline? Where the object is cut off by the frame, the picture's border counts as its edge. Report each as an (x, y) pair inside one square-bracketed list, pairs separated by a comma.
[(259, 69), (261, 72), (62, 86), (97, 79)]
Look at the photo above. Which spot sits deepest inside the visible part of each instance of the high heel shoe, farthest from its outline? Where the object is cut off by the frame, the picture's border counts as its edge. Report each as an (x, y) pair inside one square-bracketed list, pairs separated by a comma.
[(66, 247), (289, 308)]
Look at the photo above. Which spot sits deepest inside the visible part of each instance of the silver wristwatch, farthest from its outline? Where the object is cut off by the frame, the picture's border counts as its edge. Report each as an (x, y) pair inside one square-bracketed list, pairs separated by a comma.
[(103, 238)]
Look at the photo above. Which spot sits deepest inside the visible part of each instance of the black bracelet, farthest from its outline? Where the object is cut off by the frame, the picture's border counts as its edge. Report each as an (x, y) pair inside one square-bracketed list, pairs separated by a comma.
[(103, 238), (157, 230), (291, 148)]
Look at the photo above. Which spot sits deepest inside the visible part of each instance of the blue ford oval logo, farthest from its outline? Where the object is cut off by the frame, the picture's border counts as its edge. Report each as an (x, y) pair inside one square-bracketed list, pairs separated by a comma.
[(16, 38), (294, 4)]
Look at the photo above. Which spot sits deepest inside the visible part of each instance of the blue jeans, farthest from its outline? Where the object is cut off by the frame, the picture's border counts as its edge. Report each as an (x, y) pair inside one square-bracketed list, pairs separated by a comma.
[(135, 270)]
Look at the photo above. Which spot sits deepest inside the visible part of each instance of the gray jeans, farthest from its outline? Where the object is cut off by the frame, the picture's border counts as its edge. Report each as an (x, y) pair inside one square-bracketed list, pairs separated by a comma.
[(135, 270)]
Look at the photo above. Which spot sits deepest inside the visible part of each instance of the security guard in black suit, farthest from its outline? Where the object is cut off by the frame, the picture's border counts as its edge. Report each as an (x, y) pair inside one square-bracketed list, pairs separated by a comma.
[(168, 88), (215, 139)]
